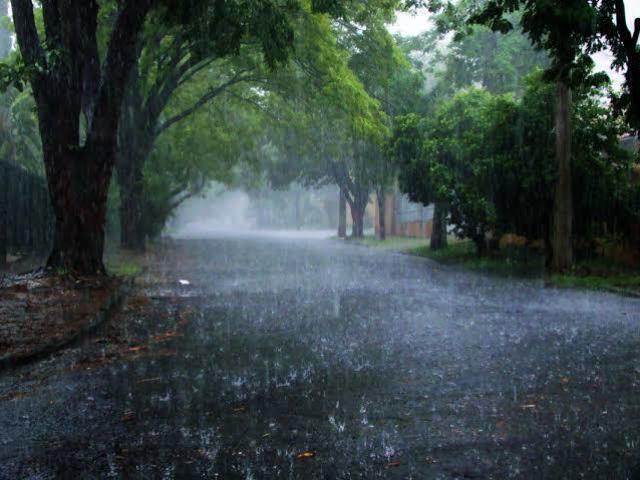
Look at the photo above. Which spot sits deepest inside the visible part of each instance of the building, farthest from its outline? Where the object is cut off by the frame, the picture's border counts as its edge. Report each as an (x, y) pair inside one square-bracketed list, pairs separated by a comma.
[(404, 218)]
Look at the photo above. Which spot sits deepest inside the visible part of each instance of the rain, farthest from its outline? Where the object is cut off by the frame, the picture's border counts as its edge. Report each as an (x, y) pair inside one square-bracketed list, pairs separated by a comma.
[(281, 239)]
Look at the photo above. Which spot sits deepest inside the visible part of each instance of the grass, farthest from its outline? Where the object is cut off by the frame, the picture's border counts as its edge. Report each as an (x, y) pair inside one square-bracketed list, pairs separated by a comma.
[(619, 283), (601, 274), (509, 262), (395, 243), (591, 274), (120, 266)]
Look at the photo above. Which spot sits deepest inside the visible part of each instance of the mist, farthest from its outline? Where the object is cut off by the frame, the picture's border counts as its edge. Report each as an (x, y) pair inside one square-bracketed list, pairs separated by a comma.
[(294, 212)]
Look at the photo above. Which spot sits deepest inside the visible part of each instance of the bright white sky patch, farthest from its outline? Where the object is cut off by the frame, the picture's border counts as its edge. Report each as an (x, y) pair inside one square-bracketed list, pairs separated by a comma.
[(411, 24)]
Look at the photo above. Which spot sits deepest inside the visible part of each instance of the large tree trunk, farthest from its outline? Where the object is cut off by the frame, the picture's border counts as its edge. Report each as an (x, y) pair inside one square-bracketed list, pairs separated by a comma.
[(563, 199), (439, 230), (382, 232), (342, 215), (78, 169), (480, 241), (78, 187), (357, 217)]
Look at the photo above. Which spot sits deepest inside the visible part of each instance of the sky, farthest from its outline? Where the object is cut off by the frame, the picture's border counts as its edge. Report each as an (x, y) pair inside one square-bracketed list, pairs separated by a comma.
[(408, 24)]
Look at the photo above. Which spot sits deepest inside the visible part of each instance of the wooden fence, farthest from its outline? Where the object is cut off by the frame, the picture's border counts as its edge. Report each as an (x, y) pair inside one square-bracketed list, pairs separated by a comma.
[(26, 217)]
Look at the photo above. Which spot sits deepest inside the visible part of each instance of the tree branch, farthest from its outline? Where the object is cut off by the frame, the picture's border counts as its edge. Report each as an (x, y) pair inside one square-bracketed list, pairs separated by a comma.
[(257, 106), (201, 102), (120, 58), (51, 15), (90, 63), (188, 73), (621, 25), (27, 33)]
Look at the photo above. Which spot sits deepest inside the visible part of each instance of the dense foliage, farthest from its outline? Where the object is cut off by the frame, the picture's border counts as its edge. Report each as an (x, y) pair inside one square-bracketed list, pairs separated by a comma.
[(490, 159), (494, 113)]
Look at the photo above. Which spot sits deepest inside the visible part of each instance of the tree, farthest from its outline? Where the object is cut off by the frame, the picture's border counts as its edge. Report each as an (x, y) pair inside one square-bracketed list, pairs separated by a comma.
[(145, 120), (78, 67), (189, 156), (615, 34), (452, 162), (195, 56), (191, 54), (414, 178), (328, 119), (342, 215), (458, 55), (562, 30), (78, 99), (490, 158)]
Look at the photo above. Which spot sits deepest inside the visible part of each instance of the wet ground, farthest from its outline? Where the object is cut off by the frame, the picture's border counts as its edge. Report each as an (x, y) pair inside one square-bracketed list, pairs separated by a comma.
[(312, 359), (39, 312)]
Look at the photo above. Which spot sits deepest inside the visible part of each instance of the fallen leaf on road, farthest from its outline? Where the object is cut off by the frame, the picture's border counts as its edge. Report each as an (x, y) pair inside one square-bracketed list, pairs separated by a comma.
[(128, 416), (393, 464), (147, 380), (166, 336), (305, 455)]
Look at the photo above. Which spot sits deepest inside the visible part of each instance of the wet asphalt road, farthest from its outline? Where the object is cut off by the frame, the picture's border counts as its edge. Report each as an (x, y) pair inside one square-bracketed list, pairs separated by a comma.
[(312, 359)]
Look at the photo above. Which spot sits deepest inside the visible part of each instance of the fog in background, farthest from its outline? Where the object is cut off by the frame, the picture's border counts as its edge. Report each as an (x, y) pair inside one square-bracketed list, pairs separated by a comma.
[(297, 211)]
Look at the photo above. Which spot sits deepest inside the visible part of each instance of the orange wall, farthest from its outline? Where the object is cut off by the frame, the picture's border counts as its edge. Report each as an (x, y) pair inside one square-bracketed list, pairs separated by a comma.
[(413, 229)]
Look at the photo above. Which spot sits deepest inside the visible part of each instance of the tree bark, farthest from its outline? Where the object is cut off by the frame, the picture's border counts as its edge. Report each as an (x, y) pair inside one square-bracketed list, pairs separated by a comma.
[(439, 230), (633, 77), (381, 214), (480, 241), (342, 215), (562, 247), (78, 188), (629, 41), (357, 217), (78, 169)]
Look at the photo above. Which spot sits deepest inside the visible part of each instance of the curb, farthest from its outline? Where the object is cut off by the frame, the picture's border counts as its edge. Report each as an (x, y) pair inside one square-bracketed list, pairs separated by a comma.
[(106, 310), (623, 292)]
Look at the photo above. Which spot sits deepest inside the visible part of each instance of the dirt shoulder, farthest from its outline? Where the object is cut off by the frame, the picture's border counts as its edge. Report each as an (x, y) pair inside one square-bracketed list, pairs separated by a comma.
[(40, 313)]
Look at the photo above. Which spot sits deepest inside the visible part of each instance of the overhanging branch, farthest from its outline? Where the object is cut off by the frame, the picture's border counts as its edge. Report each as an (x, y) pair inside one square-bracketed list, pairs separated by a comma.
[(203, 100), (120, 58), (27, 34)]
